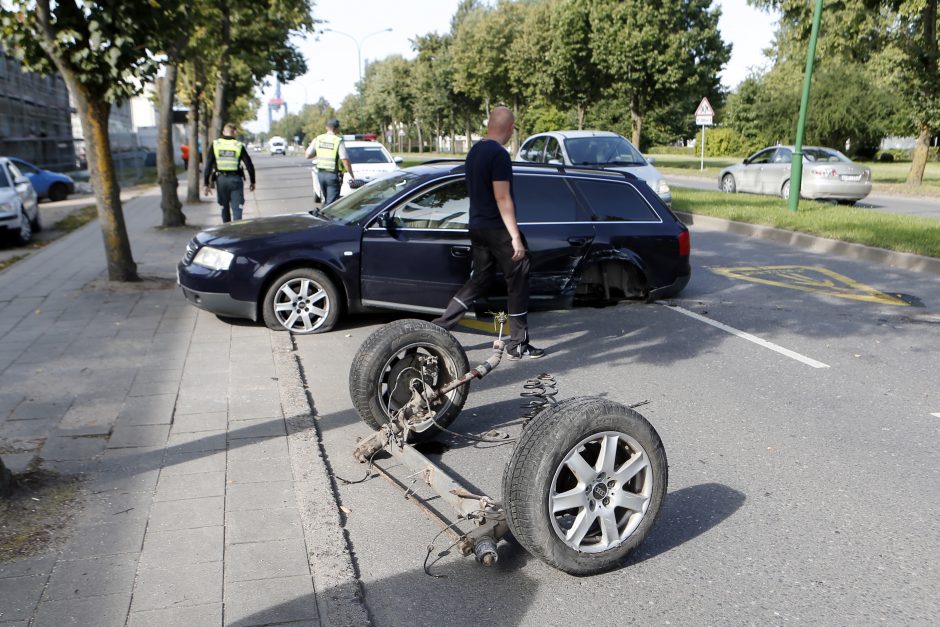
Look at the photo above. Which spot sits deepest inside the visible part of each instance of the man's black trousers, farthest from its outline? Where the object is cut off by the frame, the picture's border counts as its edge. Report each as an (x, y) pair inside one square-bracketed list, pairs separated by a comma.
[(492, 253)]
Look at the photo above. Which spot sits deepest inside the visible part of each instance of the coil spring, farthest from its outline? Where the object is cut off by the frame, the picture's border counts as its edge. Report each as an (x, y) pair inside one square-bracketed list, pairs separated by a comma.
[(541, 392)]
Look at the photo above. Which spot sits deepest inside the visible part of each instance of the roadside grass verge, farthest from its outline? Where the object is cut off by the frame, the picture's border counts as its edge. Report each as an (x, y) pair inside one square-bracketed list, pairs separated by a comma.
[(910, 234)]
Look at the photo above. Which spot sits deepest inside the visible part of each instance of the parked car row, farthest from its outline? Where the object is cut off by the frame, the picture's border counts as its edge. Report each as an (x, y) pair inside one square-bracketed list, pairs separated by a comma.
[(19, 203), (401, 242), (827, 175)]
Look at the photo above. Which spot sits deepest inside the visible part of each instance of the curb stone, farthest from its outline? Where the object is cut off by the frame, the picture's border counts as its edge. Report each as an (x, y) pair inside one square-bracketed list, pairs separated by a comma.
[(894, 259), (335, 577)]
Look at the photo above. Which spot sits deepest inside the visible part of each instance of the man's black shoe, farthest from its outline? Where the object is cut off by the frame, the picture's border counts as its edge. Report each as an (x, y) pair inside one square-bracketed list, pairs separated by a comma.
[(526, 351)]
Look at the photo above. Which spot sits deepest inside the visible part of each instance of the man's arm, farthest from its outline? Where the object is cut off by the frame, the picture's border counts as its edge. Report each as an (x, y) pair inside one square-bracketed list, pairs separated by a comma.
[(250, 167), (311, 149), (210, 167), (344, 157), (507, 211)]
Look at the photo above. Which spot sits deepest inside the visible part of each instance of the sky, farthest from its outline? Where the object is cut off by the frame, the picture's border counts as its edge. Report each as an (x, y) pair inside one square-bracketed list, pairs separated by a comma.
[(332, 58)]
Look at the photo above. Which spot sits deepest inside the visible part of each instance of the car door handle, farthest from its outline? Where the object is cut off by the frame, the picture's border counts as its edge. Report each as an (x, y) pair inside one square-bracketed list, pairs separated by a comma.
[(459, 251), (578, 241)]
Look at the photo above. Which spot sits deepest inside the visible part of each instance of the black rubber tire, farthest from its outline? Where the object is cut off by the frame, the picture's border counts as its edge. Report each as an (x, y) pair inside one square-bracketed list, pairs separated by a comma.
[(847, 203), (542, 447), (728, 184), (785, 190), (36, 222), (318, 278), (58, 192), (367, 371)]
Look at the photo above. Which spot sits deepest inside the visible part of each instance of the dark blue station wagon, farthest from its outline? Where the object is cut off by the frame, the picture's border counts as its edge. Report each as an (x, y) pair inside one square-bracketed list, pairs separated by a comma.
[(401, 243)]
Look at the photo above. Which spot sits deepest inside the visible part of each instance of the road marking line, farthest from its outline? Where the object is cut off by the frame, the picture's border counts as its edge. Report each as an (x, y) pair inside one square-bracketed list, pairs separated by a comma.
[(936, 414), (750, 338)]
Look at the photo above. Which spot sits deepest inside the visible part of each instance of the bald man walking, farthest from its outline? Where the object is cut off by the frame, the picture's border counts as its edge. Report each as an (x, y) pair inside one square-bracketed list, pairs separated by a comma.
[(497, 242)]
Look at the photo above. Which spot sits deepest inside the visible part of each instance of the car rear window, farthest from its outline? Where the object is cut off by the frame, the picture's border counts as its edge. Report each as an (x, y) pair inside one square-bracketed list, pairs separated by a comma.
[(370, 154), (613, 201), (544, 199)]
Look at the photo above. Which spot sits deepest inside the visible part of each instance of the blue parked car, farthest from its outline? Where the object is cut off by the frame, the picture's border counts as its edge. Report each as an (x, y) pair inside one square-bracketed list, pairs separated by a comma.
[(47, 184), (401, 242)]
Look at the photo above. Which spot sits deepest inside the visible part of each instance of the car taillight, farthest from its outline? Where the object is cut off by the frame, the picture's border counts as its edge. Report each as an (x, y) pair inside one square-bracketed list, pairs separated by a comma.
[(685, 244), (825, 172)]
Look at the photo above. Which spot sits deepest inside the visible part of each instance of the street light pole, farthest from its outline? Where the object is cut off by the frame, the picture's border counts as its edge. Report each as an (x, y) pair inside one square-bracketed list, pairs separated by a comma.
[(358, 43), (796, 165)]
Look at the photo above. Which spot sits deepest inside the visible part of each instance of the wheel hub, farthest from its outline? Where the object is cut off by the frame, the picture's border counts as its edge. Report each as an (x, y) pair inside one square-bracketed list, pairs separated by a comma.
[(599, 492)]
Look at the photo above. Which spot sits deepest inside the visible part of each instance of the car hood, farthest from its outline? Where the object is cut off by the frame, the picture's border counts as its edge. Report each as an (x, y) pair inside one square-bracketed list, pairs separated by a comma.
[(234, 233), (646, 172), (8, 194)]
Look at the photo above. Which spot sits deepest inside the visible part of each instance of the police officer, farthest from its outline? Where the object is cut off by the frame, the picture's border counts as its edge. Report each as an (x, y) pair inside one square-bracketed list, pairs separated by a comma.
[(224, 161), (330, 151)]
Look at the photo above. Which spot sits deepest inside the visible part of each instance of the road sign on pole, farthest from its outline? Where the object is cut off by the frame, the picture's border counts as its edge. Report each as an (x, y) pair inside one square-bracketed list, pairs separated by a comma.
[(704, 116)]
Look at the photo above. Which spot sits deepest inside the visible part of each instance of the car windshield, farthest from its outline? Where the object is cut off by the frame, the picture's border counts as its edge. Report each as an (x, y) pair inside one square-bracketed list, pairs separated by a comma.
[(367, 154), (358, 205), (603, 151), (824, 155)]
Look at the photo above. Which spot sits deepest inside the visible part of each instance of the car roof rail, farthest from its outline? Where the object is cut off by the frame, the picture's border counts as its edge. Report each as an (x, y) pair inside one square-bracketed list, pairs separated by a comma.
[(442, 160), (589, 169)]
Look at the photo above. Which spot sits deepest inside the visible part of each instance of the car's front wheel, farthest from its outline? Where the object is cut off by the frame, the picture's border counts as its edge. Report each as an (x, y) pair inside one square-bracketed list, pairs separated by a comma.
[(58, 191), (728, 184), (785, 190), (302, 301), (25, 232)]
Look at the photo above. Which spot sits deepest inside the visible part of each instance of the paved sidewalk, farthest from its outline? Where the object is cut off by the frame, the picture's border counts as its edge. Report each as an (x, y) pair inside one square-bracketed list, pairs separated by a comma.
[(177, 422)]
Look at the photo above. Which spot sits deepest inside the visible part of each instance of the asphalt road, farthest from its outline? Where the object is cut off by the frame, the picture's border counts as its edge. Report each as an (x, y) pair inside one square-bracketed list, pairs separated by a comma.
[(906, 205), (803, 470)]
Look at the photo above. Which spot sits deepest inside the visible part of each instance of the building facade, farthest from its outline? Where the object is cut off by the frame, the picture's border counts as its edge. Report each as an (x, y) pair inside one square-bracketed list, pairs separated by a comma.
[(35, 116)]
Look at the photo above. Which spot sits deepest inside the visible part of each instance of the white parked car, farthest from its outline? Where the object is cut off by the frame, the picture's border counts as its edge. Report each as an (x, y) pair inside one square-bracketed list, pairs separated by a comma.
[(19, 205), (597, 149), (369, 160), (278, 145)]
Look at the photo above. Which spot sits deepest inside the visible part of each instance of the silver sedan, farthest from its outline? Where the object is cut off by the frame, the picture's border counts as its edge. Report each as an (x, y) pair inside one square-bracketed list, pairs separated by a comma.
[(827, 175)]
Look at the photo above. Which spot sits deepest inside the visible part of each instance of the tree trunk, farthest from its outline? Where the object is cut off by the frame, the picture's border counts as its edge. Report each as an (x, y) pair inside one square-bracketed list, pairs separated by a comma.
[(192, 169), (221, 87), (420, 140), (469, 130), (636, 117), (166, 166), (919, 162), (94, 115), (206, 144), (581, 111)]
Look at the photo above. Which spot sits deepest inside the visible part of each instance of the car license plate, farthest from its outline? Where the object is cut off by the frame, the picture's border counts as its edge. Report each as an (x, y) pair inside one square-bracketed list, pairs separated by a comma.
[(851, 177)]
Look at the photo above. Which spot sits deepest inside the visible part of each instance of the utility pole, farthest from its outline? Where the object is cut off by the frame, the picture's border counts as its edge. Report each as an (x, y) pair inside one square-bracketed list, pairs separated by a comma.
[(796, 165), (358, 43)]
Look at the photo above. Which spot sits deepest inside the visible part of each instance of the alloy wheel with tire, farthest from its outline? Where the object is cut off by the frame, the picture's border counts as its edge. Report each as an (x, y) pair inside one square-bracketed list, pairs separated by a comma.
[(302, 301), (58, 191), (397, 357), (585, 484), (785, 190), (728, 184)]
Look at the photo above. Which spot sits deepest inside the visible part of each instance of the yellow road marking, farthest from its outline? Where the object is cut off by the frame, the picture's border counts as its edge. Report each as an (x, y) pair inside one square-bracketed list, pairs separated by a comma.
[(810, 279)]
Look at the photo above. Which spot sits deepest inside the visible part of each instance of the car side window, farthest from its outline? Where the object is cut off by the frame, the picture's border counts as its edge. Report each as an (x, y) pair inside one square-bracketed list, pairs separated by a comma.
[(553, 151), (3, 179), (532, 150), (544, 199), (13, 173), (444, 207), (762, 157), (783, 155), (613, 201), (28, 169)]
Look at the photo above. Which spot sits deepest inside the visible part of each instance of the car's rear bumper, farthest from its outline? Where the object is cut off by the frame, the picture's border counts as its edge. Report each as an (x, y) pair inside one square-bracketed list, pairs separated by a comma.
[(836, 190), (673, 289), (221, 304)]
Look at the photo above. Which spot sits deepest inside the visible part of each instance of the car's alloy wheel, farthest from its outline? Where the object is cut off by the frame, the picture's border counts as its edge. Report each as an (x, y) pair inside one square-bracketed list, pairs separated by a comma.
[(398, 356), (585, 484), (728, 184), (785, 190), (302, 301)]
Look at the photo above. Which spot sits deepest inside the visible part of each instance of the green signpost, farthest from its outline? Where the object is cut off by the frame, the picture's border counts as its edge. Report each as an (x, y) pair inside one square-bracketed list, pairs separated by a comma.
[(796, 167)]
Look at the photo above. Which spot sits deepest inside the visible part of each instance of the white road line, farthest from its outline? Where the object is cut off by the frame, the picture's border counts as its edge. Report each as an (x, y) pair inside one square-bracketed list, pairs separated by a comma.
[(750, 338), (936, 414)]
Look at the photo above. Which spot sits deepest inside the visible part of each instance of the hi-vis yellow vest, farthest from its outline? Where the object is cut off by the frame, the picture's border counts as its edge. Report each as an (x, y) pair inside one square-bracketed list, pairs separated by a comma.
[(226, 154), (328, 151)]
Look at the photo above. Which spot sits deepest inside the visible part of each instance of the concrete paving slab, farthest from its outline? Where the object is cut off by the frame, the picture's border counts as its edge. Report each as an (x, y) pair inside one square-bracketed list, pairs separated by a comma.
[(107, 538), (92, 577), (262, 525), (177, 586), (131, 436), (180, 487), (188, 423), (144, 481), (277, 469), (31, 409), (269, 495), (104, 611), (182, 546), (197, 441), (148, 410), (38, 565), (187, 514), (200, 615), (256, 428), (271, 601), (196, 463), (20, 596), (60, 448), (257, 448), (265, 560)]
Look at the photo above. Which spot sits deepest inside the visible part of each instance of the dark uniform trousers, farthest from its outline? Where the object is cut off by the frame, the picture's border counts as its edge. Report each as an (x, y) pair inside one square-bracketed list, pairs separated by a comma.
[(230, 193), (329, 185), (492, 252)]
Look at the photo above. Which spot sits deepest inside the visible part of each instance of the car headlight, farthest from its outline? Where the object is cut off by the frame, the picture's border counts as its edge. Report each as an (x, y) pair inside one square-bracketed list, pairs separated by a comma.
[(662, 187), (7, 207), (213, 258)]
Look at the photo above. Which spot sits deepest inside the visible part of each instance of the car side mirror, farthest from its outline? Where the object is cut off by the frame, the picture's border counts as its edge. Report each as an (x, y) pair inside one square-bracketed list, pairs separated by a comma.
[(651, 159), (21, 180), (399, 159), (382, 221), (555, 162), (746, 161)]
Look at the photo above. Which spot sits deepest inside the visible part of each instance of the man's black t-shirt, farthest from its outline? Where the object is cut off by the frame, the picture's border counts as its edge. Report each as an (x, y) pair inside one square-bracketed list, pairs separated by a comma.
[(486, 162)]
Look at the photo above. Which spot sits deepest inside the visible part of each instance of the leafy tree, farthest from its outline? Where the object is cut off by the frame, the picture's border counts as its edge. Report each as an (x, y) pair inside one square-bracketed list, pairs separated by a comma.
[(104, 51), (658, 53)]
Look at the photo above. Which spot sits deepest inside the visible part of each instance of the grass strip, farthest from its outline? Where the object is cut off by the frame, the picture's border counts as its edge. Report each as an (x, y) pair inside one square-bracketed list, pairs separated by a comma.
[(909, 234)]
